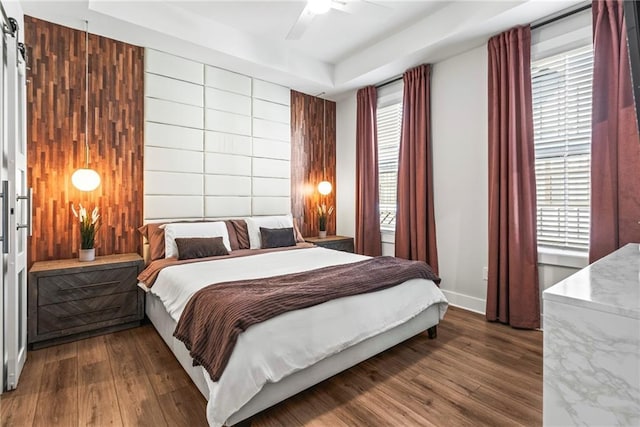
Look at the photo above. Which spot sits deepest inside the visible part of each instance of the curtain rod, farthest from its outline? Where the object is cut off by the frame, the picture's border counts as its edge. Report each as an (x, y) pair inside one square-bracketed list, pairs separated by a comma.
[(388, 82), (559, 17), (533, 27)]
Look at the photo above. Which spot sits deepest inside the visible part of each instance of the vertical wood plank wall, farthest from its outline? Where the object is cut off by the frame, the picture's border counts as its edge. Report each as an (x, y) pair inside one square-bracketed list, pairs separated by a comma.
[(308, 166), (55, 133)]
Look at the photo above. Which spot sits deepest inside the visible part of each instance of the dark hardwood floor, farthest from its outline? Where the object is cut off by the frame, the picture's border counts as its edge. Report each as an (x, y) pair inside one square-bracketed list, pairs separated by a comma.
[(474, 373)]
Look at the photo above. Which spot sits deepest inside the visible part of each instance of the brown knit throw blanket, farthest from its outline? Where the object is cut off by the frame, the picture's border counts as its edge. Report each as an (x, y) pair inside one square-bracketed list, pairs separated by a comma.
[(216, 315)]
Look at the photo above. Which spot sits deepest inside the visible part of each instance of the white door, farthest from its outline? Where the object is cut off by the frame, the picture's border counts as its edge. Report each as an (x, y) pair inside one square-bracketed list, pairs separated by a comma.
[(19, 200), (4, 218)]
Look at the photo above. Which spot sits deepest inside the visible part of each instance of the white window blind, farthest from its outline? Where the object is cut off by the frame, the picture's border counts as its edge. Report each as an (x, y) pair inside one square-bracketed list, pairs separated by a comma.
[(561, 86), (389, 127)]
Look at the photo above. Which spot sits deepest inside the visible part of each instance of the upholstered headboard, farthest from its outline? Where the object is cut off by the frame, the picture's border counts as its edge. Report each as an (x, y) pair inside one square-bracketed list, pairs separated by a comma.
[(217, 143)]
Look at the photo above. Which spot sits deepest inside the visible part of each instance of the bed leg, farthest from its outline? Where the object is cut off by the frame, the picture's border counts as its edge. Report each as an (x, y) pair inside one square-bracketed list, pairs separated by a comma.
[(433, 332)]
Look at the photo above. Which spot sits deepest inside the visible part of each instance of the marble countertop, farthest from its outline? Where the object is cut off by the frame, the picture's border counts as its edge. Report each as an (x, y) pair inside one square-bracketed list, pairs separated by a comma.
[(612, 284)]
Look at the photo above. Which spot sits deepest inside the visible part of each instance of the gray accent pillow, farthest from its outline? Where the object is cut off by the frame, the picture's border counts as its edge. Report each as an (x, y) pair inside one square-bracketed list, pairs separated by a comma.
[(200, 247), (277, 237)]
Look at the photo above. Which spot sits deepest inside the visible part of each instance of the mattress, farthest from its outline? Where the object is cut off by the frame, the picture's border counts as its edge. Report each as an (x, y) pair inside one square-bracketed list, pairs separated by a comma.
[(271, 351)]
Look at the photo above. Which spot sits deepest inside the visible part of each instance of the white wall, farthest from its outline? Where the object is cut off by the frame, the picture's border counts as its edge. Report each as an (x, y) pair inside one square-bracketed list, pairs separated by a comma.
[(459, 108), (460, 167), (217, 143), (346, 165)]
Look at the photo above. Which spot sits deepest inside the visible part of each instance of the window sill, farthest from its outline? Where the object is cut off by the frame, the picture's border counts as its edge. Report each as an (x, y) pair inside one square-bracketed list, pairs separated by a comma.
[(387, 235), (563, 257)]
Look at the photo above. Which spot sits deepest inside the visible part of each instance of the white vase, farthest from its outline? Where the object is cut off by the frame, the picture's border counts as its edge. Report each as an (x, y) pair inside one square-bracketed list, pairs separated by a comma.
[(323, 234), (87, 254)]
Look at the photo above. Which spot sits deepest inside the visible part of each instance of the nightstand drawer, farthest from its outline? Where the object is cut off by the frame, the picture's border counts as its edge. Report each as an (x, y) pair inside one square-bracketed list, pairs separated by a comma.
[(84, 312), (70, 300), (70, 287), (339, 245)]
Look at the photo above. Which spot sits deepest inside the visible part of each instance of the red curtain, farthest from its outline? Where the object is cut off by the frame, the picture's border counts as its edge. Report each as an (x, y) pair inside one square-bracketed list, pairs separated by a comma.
[(615, 149), (415, 221), (512, 288), (367, 240)]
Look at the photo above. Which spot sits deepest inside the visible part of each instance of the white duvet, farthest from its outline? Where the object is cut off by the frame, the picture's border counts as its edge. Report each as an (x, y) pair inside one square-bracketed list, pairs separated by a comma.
[(269, 351)]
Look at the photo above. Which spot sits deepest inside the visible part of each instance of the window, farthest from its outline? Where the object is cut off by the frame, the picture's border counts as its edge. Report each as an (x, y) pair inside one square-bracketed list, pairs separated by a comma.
[(389, 127), (561, 87)]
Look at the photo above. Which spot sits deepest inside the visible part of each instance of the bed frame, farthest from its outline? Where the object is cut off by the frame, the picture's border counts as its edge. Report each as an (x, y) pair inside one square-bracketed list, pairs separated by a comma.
[(273, 393)]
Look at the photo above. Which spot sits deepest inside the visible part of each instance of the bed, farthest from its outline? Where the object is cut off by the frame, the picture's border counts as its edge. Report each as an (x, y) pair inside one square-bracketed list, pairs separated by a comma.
[(282, 356)]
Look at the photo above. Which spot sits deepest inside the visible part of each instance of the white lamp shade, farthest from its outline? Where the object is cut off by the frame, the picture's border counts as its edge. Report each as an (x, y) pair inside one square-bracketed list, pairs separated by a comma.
[(85, 179), (324, 188), (319, 6)]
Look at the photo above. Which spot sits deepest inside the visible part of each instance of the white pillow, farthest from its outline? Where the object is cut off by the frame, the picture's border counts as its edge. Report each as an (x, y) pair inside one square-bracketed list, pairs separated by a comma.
[(193, 229), (254, 223)]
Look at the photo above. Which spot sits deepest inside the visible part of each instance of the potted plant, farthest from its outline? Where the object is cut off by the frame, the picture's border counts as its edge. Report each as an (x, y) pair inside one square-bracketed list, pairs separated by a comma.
[(89, 225), (323, 216)]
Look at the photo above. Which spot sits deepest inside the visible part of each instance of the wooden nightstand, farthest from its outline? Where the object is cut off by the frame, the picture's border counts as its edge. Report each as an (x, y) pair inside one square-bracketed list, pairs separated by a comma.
[(70, 300), (339, 243)]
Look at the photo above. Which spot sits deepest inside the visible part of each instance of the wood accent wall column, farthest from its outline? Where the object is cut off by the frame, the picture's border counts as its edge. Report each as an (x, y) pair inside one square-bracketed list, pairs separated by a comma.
[(55, 132), (307, 160)]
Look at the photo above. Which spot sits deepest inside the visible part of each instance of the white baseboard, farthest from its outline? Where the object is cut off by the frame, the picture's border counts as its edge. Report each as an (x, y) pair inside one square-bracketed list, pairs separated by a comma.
[(467, 302), (477, 305)]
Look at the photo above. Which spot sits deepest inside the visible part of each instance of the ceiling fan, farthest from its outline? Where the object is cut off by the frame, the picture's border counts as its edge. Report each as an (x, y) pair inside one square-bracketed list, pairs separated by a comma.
[(319, 7)]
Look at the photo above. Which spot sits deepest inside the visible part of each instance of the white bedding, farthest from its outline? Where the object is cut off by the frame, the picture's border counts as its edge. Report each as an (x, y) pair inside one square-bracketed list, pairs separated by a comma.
[(269, 351)]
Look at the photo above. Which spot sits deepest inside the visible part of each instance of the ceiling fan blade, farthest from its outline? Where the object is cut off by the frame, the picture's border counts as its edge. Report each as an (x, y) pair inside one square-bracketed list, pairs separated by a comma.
[(301, 25)]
